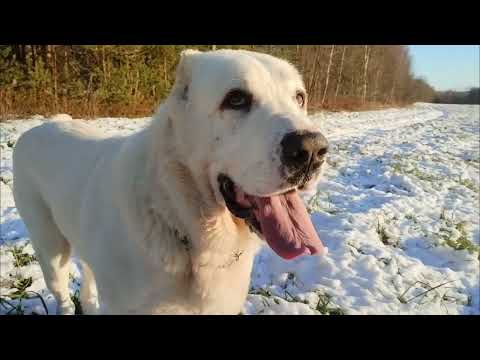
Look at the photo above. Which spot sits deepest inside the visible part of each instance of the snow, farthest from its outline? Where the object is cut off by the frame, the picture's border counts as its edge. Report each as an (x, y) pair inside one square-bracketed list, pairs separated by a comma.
[(398, 209)]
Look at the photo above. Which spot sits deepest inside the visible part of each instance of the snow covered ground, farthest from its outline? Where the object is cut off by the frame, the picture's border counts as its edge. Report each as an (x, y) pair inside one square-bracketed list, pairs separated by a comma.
[(398, 210)]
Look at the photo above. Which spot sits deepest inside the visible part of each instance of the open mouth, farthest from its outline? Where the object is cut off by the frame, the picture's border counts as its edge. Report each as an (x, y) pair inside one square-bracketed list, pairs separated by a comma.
[(281, 219)]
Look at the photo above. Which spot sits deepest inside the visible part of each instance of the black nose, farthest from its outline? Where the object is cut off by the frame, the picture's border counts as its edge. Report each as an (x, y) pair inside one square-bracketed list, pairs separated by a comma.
[(303, 148)]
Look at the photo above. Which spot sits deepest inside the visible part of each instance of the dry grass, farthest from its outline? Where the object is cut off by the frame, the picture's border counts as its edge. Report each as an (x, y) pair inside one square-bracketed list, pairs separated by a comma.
[(21, 104), (14, 105), (351, 104)]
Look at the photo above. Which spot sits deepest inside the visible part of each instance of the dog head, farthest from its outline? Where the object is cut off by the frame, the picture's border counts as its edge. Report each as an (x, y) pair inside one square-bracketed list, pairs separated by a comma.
[(240, 122)]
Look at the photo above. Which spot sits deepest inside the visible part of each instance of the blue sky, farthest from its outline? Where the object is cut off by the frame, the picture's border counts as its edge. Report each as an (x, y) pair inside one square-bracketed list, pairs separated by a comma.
[(446, 67)]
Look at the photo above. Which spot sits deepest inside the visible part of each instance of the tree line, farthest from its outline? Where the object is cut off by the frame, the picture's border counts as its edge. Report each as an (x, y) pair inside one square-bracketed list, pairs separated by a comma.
[(130, 80), (471, 96)]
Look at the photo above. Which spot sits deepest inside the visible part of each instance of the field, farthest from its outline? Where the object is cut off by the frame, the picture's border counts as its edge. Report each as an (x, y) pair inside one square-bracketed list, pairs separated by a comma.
[(398, 210)]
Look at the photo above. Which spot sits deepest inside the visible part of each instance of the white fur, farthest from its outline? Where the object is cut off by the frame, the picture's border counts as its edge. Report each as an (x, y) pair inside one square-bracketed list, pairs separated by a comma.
[(124, 204)]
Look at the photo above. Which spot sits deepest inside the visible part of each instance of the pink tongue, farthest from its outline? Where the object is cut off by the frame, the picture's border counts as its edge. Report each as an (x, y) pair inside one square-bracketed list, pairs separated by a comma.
[(286, 225)]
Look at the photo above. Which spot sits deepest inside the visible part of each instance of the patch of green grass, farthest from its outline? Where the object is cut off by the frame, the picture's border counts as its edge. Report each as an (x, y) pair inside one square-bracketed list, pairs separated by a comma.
[(399, 169), (462, 242), (469, 300), (389, 220), (382, 233), (21, 258), (422, 175), (14, 300), (20, 285), (13, 309), (323, 307), (336, 311), (411, 217), (386, 261), (342, 147), (261, 292), (443, 214), (468, 184), (314, 205), (358, 250), (473, 162), (423, 294), (265, 294), (76, 301), (332, 163), (75, 297)]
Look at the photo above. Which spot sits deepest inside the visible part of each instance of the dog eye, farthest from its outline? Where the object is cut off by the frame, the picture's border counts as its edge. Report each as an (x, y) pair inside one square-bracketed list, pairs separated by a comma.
[(300, 97), (237, 100)]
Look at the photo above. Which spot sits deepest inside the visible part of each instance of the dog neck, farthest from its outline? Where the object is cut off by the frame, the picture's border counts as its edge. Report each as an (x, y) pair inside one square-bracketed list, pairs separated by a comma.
[(183, 229)]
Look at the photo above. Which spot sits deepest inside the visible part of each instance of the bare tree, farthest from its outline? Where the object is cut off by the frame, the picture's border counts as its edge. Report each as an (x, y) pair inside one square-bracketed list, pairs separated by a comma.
[(339, 81), (367, 55), (53, 78), (328, 74), (165, 69), (312, 82), (376, 86), (54, 55)]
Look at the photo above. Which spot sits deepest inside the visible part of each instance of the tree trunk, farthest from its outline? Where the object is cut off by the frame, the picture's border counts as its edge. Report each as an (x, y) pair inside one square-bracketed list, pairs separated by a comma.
[(45, 55), (16, 50), (376, 86), (392, 92), (54, 75), (137, 83), (318, 86), (165, 71), (328, 74), (104, 65), (367, 53), (339, 82), (352, 86), (314, 76), (34, 56), (22, 54), (34, 63), (67, 64)]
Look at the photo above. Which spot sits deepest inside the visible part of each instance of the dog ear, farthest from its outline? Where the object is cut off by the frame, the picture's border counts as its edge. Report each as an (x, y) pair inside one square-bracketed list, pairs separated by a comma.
[(184, 73)]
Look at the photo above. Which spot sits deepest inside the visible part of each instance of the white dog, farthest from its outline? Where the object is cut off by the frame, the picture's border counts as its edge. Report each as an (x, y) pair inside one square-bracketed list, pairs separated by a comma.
[(168, 220)]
